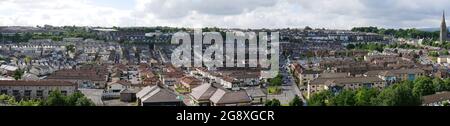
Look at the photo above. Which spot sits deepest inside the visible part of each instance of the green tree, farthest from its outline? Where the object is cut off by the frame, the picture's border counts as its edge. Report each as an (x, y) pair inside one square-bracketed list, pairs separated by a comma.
[(29, 103), (273, 102), (446, 103), (423, 86), (277, 81), (18, 74), (364, 96), (83, 101), (433, 54), (28, 59), (439, 85), (350, 46), (398, 95), (70, 48), (320, 99), (343, 98), (446, 84), (56, 98), (72, 99), (296, 101)]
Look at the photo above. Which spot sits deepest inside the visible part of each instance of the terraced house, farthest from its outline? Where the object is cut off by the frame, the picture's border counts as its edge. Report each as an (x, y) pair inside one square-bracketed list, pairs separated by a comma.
[(36, 89), (342, 83)]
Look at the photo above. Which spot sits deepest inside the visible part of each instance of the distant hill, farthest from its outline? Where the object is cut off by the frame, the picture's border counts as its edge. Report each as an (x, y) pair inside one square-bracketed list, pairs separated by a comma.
[(431, 29)]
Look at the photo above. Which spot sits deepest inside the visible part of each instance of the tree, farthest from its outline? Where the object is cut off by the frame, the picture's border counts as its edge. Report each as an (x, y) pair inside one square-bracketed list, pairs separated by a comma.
[(320, 99), (433, 54), (83, 101), (70, 48), (398, 95), (72, 99), (446, 84), (307, 28), (277, 81), (344, 98), (18, 74), (364, 96), (439, 85), (55, 99), (296, 101), (273, 102), (28, 59), (423, 86), (350, 46), (29, 103), (446, 103)]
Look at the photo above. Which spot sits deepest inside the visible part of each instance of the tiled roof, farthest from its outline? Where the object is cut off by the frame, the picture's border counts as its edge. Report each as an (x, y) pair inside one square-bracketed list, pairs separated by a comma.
[(441, 96), (223, 96), (35, 83), (203, 92), (157, 94)]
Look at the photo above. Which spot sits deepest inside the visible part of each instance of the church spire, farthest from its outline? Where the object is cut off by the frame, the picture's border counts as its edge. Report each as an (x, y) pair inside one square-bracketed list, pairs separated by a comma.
[(443, 17), (444, 34)]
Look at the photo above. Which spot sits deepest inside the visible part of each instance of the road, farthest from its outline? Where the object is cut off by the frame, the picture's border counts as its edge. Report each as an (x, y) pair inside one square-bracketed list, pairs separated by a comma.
[(289, 88), (94, 94)]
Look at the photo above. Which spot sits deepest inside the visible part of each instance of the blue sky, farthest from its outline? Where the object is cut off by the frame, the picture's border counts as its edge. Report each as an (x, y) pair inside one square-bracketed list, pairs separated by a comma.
[(334, 14)]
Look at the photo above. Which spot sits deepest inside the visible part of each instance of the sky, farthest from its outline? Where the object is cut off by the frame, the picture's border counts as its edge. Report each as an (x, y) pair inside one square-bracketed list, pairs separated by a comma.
[(332, 14)]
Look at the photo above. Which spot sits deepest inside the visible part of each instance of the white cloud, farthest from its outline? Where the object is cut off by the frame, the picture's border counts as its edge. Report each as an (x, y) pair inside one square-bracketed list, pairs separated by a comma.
[(228, 13), (58, 12)]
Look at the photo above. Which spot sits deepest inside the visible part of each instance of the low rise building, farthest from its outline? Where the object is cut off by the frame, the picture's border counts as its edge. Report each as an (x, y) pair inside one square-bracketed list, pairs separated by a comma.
[(84, 78), (398, 75), (344, 83), (189, 83), (438, 99), (158, 96), (443, 59), (36, 89), (213, 95)]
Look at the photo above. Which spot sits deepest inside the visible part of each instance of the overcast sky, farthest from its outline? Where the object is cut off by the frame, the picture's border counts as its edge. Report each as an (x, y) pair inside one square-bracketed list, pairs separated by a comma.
[(336, 14)]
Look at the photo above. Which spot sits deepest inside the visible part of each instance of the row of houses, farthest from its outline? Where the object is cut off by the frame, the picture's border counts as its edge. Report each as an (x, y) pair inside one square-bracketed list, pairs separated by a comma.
[(214, 95), (316, 80), (35, 89)]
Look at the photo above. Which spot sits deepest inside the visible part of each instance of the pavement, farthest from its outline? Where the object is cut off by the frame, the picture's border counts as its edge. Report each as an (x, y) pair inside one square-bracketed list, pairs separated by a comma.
[(289, 89), (94, 94)]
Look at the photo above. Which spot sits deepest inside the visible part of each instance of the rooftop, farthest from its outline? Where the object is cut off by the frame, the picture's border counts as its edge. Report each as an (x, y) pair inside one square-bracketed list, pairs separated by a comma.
[(35, 83), (440, 96), (223, 96)]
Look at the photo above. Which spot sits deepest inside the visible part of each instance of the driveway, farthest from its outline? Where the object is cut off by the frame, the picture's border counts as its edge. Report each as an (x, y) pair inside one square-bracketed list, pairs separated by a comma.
[(94, 94)]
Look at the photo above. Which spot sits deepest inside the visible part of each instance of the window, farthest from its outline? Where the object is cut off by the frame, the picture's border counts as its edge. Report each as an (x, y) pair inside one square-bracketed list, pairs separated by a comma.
[(16, 93), (3, 92), (40, 94), (64, 93), (27, 93)]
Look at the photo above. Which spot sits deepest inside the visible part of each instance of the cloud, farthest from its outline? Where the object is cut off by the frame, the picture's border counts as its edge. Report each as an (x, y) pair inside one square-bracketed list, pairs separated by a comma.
[(181, 8), (341, 14), (57, 12)]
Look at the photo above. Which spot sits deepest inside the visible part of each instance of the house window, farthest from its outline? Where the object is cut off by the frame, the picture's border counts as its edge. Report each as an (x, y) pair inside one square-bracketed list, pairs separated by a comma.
[(3, 92), (27, 93), (64, 93), (16, 93), (40, 93)]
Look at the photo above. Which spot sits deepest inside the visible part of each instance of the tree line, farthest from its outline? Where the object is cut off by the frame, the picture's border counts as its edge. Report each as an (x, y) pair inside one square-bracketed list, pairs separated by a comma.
[(399, 33), (55, 98), (406, 93)]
